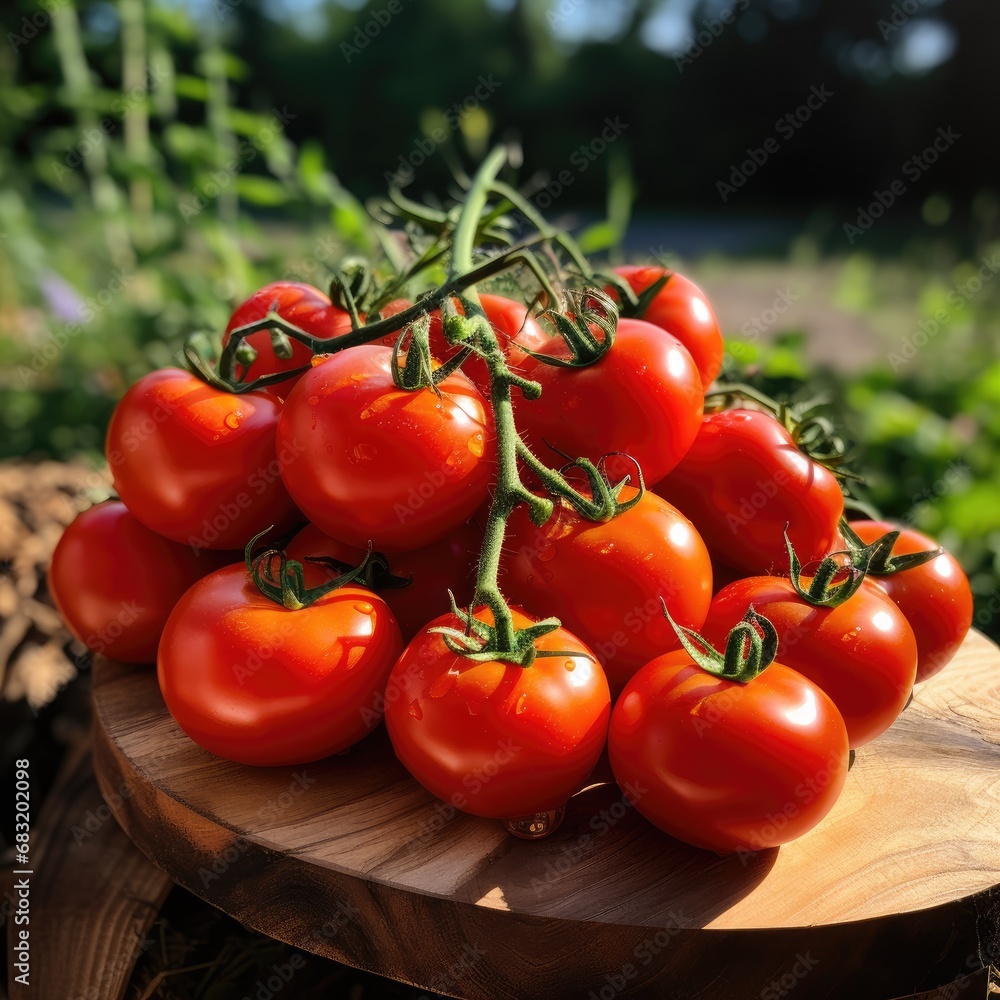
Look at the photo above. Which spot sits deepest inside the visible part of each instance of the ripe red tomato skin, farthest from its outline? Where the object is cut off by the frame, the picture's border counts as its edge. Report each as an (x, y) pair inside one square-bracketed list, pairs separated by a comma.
[(649, 552), (381, 464), (301, 305), (741, 480), (196, 464), (861, 653), (115, 582), (935, 598), (495, 739), (644, 398), (250, 681), (683, 309), (447, 564), (726, 766)]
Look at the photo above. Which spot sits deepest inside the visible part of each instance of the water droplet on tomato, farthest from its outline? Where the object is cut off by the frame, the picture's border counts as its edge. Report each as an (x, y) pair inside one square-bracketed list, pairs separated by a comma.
[(522, 704), (547, 553), (476, 445), (358, 377), (215, 437), (313, 400), (473, 707), (233, 420), (415, 710), (364, 452), (443, 684), (570, 664), (363, 607)]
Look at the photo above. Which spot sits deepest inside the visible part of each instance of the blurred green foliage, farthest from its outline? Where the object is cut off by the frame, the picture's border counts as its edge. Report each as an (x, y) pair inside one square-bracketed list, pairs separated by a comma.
[(128, 227)]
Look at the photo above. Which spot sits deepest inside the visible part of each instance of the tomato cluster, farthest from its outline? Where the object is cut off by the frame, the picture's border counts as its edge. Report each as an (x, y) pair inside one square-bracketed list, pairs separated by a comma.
[(285, 552)]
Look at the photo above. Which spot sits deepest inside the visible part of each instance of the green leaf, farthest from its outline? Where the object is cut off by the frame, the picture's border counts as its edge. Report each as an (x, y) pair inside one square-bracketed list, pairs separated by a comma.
[(261, 191), (193, 87), (600, 236)]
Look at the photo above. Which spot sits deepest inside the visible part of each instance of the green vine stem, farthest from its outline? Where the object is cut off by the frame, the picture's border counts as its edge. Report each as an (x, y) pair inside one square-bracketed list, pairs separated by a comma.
[(472, 330)]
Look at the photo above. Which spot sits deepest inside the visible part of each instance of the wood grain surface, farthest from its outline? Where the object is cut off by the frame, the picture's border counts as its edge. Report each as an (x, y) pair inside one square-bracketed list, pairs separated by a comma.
[(895, 893)]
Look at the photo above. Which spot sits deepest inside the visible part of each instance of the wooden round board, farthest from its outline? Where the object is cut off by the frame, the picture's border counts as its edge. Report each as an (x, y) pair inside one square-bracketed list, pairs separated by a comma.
[(897, 891)]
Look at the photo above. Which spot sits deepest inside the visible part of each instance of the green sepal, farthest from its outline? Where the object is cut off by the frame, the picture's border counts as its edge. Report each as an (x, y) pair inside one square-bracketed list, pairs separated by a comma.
[(751, 647), (288, 588), (821, 591), (878, 555), (479, 640)]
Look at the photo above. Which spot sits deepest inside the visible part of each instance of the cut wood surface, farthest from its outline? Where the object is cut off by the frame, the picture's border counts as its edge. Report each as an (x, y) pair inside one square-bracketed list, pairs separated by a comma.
[(93, 895), (894, 893)]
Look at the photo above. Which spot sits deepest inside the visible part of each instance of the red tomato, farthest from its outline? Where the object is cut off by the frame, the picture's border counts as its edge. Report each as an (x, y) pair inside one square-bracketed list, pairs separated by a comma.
[(515, 329), (648, 553), (448, 564), (253, 682), (861, 653), (302, 306), (643, 398), (681, 308), (115, 582), (935, 597), (497, 739), (400, 469), (723, 765), (742, 480), (199, 465)]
